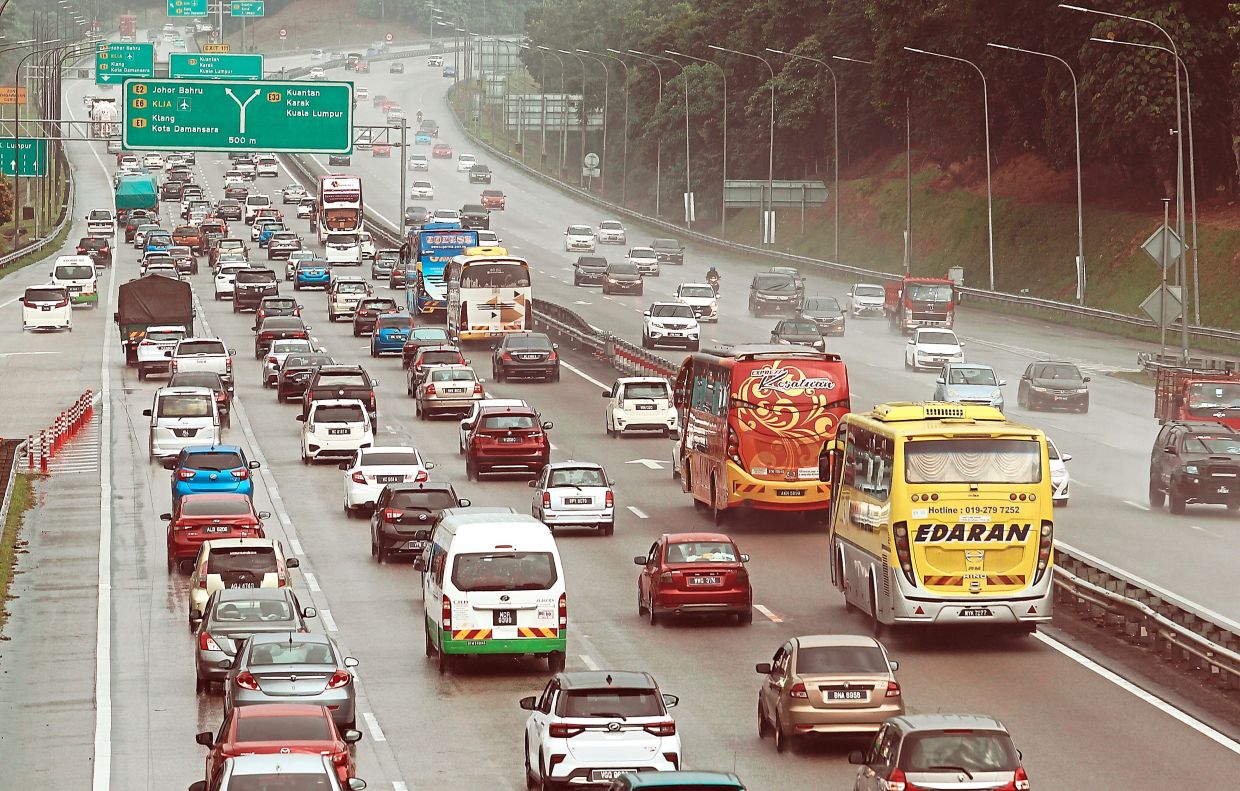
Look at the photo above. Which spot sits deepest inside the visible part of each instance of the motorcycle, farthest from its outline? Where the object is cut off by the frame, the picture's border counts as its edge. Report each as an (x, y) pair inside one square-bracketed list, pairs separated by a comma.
[(713, 280)]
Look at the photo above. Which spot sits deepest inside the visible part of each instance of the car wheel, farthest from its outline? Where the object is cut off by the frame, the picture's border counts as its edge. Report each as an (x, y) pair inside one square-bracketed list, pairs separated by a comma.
[(445, 661), (608, 529), (651, 616), (781, 739), (382, 555), (555, 661), (555, 377), (641, 607), (745, 617), (141, 374), (764, 727), (471, 470), (426, 639), (235, 308), (645, 340), (201, 685), (499, 374), (373, 351), (717, 514), (356, 334), (1175, 500)]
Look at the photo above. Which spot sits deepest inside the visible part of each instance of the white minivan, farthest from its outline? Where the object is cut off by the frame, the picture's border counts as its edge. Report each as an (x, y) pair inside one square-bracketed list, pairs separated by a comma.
[(335, 428), (343, 249), (639, 403), (46, 307), (78, 275), (493, 583), (182, 416)]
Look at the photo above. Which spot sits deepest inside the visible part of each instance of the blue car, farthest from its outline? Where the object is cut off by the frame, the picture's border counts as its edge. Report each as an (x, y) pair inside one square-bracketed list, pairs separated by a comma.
[(671, 781), (391, 332), (423, 138), (311, 274), (157, 241), (264, 235), (211, 469)]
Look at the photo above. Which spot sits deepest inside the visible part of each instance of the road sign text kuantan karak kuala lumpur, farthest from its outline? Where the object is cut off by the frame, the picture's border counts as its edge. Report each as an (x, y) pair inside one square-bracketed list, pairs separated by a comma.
[(236, 115)]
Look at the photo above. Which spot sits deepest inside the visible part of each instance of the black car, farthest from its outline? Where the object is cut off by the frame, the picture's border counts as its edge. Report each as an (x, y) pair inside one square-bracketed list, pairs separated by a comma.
[(338, 159), (1195, 462), (530, 354), (417, 216), (590, 270), (251, 286), (97, 247), (404, 515), (479, 174), (771, 292), (170, 190), (420, 337), (826, 313), (236, 192), (229, 209), (475, 216), (368, 310), (295, 374), (271, 307), (341, 381), (137, 217), (799, 332), (623, 278), (668, 251), (223, 390), (279, 328), (396, 68), (1053, 385)]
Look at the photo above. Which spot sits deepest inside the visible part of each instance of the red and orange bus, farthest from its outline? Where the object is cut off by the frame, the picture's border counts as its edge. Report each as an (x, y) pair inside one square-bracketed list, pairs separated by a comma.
[(753, 423)]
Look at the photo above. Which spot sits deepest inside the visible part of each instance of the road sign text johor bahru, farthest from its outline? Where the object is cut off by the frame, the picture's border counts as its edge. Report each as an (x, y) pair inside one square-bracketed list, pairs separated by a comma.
[(233, 115)]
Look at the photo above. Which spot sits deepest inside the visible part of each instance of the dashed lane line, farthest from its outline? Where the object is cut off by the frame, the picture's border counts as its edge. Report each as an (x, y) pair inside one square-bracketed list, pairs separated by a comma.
[(372, 728), (588, 662), (1137, 505), (639, 513), (329, 623), (772, 616), (312, 582)]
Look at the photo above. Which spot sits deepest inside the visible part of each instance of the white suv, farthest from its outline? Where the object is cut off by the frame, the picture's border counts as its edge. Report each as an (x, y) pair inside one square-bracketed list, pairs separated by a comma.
[(639, 403), (702, 298), (335, 428), (670, 324), (598, 725), (464, 162), (156, 348)]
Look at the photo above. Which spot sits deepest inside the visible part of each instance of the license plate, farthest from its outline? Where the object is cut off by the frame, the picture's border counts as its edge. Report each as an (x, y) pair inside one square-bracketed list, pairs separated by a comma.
[(578, 500), (389, 479), (646, 407), (846, 694), (216, 529), (242, 585), (454, 390), (503, 617), (45, 308), (602, 775), (1061, 398), (790, 492), (976, 612), (703, 580), (510, 439), (1224, 490), (412, 546), (335, 432)]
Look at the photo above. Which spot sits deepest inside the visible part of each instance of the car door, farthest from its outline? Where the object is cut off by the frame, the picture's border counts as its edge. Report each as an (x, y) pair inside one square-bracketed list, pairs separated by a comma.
[(1026, 379), (536, 725), (540, 486), (649, 570), (773, 683), (1171, 454), (940, 384), (880, 759)]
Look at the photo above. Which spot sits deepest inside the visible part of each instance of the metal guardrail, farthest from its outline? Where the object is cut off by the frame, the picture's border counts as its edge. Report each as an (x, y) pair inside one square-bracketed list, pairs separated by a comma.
[(19, 450), (38, 244)]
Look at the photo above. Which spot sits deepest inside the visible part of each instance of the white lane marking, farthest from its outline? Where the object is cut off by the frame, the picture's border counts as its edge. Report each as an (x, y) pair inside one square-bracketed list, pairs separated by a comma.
[(312, 582), (639, 513), (372, 727), (399, 785), (552, 445), (295, 545), (23, 354), (1201, 529), (1128, 686), (585, 376), (10, 302), (329, 623), (768, 613), (1137, 505), (588, 662)]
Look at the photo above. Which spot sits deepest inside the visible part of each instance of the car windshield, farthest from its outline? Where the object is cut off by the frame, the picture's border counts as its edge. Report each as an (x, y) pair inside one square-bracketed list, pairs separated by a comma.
[(252, 611), (671, 311), (941, 337), (75, 272), (452, 375), (642, 252), (951, 751), (201, 347), (622, 269), (1007, 461), (292, 652), (422, 500), (442, 358), (389, 458), (505, 422), (611, 225), (972, 376), (611, 703), (229, 560), (697, 292), (214, 461), (776, 283), (1214, 395), (577, 476), (929, 293), (185, 406), (314, 728), (814, 660), (215, 506), (579, 230), (1202, 444), (826, 305), (799, 328), (338, 414), (701, 552), (497, 571), (534, 341)]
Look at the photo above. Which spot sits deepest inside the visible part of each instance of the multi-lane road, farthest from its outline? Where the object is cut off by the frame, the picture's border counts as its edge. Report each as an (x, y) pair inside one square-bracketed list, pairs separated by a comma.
[(1077, 727)]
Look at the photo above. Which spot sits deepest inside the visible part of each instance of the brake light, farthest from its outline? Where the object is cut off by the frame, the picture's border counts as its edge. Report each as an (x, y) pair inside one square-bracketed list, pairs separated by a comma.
[(1046, 542), (340, 678), (666, 578), (421, 476), (228, 364), (552, 357), (563, 612), (896, 782), (477, 388), (1020, 781), (546, 499), (734, 446), (62, 303), (185, 475), (506, 356), (661, 728), (446, 615), (241, 474), (893, 689), (559, 730), (207, 643), (358, 477), (245, 679), (900, 530), (611, 500), (173, 366), (391, 514), (272, 360)]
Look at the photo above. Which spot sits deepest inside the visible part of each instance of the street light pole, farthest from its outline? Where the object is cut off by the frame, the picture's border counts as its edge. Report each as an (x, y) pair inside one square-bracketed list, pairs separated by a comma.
[(41, 47), (684, 78), (624, 149), (990, 223), (581, 177), (562, 147), (723, 212), (602, 179), (770, 171), (658, 148), (1081, 279)]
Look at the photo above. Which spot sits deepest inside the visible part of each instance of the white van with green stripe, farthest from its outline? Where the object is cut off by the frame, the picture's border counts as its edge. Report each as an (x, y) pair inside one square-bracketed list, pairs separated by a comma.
[(493, 583)]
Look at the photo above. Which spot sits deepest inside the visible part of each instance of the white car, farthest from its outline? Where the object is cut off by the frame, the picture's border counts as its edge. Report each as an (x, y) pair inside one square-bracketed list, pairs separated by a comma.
[(336, 428), (371, 469), (100, 222), (670, 324), (612, 232), (422, 189), (599, 724), (467, 422), (181, 416), (155, 348), (419, 162), (153, 161), (226, 280), (317, 73), (280, 349), (702, 298), (645, 259), (574, 494), (489, 239), (446, 215), (293, 193), (267, 166), (367, 244), (579, 239), (344, 294), (464, 162), (305, 207), (930, 347), (47, 307), (435, 61), (1060, 477), (866, 299), (639, 403)]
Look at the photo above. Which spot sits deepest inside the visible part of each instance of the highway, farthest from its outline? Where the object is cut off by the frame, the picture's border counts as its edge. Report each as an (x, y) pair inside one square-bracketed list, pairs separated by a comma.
[(1076, 728)]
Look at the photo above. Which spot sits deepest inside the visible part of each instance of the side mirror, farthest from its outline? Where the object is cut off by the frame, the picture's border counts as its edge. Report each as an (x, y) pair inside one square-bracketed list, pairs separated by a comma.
[(763, 667), (224, 664), (51, 274), (201, 785), (232, 352), (495, 347), (606, 394), (645, 313), (893, 664), (555, 346), (146, 413), (264, 514), (350, 661), (532, 484), (374, 382), (205, 739), (292, 563), (1003, 383), (357, 784), (302, 418), (639, 560), (856, 757), (419, 563), (421, 535), (351, 736), (464, 502), (309, 612), (744, 558), (940, 381), (529, 703), (254, 465), (1085, 379), (547, 425), (166, 517), (1066, 457), (344, 465), (169, 464), (671, 701)]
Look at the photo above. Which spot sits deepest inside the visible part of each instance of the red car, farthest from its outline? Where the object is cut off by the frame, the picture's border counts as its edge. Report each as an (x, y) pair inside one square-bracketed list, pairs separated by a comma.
[(691, 573), (493, 199), (388, 104), (205, 517), (381, 150), (507, 439), (441, 151), (280, 728)]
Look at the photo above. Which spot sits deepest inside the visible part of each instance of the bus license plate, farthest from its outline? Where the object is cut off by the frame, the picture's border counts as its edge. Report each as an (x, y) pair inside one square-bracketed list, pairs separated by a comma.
[(790, 492), (503, 617), (846, 694), (976, 612)]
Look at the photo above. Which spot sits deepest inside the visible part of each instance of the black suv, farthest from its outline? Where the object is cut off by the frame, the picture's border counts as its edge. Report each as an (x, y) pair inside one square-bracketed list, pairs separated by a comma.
[(278, 328), (590, 270), (251, 286), (341, 381), (475, 216), (295, 374), (529, 354), (479, 174), (404, 515), (1195, 462), (772, 292)]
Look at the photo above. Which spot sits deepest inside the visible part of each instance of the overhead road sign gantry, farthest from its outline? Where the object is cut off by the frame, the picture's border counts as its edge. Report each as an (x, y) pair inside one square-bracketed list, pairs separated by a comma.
[(117, 61), (238, 115), (215, 67), (187, 7), (247, 8)]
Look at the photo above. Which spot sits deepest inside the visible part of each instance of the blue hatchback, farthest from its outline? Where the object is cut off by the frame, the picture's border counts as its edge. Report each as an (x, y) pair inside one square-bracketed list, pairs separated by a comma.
[(423, 138), (391, 332), (157, 241), (212, 469), (311, 274)]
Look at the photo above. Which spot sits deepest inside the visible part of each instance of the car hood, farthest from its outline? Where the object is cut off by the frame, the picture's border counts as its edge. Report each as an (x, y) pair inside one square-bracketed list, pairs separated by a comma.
[(1060, 384), (938, 348)]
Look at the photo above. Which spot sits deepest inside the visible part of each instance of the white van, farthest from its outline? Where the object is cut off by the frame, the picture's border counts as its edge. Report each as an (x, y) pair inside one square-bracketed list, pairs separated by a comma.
[(343, 249), (493, 583), (182, 416), (46, 307), (252, 204), (335, 428), (78, 275)]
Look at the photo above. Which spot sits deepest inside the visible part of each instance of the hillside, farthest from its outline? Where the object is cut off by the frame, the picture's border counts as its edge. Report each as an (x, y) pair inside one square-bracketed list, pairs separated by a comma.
[(315, 23)]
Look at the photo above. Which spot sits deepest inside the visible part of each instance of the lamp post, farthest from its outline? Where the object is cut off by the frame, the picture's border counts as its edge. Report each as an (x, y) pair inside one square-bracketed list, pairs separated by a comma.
[(562, 146), (602, 180), (624, 148), (658, 147), (581, 177), (1081, 279), (835, 134), (684, 78), (770, 171), (990, 224), (723, 212), (42, 46)]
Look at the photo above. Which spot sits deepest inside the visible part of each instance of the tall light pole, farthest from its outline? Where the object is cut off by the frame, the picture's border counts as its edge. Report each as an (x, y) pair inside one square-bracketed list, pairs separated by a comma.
[(990, 223), (602, 180), (723, 212), (835, 123), (624, 149), (684, 78), (585, 117), (658, 148), (562, 147), (770, 167), (1081, 279), (42, 46)]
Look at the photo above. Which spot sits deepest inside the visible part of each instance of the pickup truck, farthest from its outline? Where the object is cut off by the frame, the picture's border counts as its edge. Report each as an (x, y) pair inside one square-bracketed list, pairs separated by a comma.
[(475, 216), (341, 381), (203, 354), (668, 251)]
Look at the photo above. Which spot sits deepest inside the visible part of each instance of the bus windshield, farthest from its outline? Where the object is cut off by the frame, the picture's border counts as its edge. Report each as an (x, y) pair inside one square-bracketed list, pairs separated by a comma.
[(1010, 461)]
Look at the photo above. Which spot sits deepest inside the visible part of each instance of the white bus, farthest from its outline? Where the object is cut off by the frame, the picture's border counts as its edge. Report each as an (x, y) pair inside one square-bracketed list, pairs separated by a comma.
[(339, 207), (488, 294)]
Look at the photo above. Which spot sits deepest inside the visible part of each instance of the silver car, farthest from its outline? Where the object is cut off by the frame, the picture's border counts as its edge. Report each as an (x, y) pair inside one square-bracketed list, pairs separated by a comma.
[(940, 751), (448, 388), (279, 770), (969, 383), (235, 614), (293, 667)]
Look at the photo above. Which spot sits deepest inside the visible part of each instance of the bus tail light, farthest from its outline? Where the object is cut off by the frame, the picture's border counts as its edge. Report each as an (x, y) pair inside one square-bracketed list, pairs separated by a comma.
[(563, 612), (445, 617), (1046, 541), (734, 446), (900, 530)]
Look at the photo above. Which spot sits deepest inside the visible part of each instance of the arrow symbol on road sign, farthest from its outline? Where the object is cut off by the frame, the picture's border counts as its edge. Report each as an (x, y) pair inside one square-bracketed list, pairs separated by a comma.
[(650, 464)]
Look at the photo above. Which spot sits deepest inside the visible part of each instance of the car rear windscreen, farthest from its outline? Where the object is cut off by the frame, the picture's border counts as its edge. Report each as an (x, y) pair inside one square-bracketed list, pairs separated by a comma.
[(256, 560), (337, 414), (74, 272), (283, 729), (201, 347), (45, 295), (291, 652), (252, 611), (504, 571), (185, 406), (387, 458), (840, 659), (973, 751), (214, 461), (614, 703), (393, 322), (215, 506), (328, 379), (260, 276), (426, 500), (646, 390), (504, 422), (441, 358)]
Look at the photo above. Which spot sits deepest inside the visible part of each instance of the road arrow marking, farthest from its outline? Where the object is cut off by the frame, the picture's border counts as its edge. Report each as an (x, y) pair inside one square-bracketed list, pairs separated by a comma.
[(651, 464)]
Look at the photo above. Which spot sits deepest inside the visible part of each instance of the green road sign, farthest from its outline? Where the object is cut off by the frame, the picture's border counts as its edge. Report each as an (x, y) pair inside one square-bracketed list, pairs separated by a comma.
[(32, 162), (215, 67), (231, 115), (247, 8), (187, 7), (114, 62)]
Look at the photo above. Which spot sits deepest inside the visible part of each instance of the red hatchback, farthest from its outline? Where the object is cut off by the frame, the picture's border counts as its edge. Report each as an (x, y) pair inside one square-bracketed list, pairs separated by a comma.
[(694, 573), (207, 517), (441, 151), (280, 728)]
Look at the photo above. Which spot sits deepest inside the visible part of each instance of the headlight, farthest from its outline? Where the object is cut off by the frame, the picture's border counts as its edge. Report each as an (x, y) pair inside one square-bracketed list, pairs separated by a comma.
[(1190, 469)]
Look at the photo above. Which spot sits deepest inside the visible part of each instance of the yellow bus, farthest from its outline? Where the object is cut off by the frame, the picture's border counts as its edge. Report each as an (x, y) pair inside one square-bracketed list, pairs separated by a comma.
[(942, 513)]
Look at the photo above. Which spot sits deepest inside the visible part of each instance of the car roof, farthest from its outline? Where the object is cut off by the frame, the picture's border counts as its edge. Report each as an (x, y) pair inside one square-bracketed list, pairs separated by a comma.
[(421, 486), (224, 496), (679, 538), (918, 722), (1204, 427), (212, 448), (606, 679), (829, 640), (280, 709)]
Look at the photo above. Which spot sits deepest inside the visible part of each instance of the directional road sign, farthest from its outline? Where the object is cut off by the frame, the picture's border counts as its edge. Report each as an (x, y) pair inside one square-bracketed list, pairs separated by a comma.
[(236, 115), (187, 7), (247, 8), (32, 162), (115, 62), (215, 67), (1171, 300)]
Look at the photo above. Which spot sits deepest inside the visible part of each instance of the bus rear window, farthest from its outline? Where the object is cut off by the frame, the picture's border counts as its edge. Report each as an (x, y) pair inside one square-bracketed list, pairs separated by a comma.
[(973, 461)]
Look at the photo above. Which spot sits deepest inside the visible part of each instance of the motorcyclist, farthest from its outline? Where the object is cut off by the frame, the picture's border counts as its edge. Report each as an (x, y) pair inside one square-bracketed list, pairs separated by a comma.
[(712, 277)]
